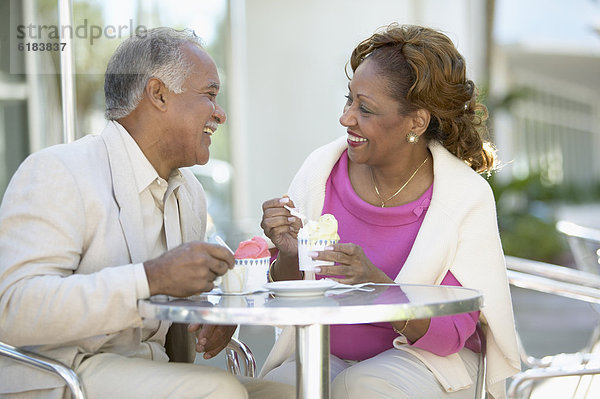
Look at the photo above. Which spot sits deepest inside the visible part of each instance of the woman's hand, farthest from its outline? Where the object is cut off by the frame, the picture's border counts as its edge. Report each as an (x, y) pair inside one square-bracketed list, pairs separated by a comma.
[(280, 226), (351, 263), (211, 339)]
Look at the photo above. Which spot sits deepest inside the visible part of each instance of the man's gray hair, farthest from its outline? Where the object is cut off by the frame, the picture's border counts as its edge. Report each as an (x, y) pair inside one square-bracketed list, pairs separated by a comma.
[(156, 53)]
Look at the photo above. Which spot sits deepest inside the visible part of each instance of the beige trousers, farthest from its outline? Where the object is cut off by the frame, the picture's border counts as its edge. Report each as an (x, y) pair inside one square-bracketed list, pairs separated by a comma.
[(114, 376), (391, 374)]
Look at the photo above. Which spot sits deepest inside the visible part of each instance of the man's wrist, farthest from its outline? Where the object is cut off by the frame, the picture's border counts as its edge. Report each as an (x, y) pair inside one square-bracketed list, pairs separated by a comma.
[(142, 286), (153, 280)]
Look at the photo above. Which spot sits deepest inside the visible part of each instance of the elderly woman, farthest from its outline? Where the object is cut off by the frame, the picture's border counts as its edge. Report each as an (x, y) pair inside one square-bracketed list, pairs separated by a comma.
[(405, 187)]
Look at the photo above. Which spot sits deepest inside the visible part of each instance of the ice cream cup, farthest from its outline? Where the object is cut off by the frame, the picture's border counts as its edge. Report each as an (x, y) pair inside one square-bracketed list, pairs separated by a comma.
[(305, 246), (257, 271), (234, 281), (233, 301)]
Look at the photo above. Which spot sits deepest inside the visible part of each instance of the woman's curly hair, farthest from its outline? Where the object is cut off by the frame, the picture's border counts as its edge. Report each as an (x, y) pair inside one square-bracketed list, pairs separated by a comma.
[(425, 70)]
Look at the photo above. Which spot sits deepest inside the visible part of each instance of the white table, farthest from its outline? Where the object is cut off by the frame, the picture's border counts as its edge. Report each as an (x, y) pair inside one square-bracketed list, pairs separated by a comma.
[(312, 316)]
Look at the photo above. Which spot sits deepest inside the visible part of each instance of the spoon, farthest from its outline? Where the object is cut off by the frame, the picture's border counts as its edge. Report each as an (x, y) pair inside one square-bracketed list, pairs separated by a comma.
[(219, 280), (295, 212), (356, 286), (222, 243), (348, 287)]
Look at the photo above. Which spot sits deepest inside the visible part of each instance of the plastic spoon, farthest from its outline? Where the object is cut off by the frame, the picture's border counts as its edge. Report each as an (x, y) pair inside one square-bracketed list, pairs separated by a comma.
[(219, 280), (295, 212), (223, 243)]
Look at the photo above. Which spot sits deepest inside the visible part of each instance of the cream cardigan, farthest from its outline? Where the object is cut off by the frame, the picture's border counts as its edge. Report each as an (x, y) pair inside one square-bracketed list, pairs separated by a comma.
[(460, 234)]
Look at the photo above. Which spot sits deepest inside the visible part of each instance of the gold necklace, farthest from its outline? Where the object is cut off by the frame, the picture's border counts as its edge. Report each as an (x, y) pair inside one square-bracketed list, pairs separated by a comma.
[(400, 189)]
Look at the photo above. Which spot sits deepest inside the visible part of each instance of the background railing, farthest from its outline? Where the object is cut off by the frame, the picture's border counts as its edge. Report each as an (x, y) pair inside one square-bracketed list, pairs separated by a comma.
[(556, 129)]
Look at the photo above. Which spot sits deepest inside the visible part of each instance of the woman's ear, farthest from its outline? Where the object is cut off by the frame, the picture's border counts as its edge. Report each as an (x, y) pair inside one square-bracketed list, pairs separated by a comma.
[(420, 121), (156, 92)]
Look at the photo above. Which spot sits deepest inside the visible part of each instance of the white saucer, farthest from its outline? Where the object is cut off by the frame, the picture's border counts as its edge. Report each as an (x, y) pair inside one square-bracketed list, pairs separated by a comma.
[(300, 287)]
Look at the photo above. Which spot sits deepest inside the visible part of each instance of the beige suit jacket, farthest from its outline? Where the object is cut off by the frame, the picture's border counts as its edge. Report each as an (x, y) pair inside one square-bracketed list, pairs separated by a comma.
[(71, 253)]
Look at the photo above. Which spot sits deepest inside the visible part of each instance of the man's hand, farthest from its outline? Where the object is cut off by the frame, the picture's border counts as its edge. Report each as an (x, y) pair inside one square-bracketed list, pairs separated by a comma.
[(188, 269), (211, 339)]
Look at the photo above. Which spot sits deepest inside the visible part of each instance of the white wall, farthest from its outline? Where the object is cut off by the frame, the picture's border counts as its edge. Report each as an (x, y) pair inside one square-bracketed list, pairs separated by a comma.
[(287, 83)]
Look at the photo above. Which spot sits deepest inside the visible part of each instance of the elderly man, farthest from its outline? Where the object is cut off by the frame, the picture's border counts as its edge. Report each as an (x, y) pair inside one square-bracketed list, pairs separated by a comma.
[(88, 228)]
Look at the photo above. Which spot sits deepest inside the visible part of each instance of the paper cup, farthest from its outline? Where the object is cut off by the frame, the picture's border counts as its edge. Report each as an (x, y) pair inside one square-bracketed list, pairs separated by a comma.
[(234, 301), (257, 271), (235, 279), (305, 246)]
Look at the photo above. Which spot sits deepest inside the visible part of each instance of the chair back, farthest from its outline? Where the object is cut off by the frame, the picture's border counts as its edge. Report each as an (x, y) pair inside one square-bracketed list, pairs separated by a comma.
[(239, 360), (562, 281), (584, 243), (46, 364), (238, 354)]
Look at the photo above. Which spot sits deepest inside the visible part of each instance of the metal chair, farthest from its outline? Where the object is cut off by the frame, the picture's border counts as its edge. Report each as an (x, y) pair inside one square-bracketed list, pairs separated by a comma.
[(46, 364), (558, 280), (584, 243), (236, 352)]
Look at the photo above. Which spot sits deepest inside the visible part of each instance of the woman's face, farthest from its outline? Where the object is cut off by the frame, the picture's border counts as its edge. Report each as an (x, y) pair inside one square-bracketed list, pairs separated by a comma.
[(376, 129)]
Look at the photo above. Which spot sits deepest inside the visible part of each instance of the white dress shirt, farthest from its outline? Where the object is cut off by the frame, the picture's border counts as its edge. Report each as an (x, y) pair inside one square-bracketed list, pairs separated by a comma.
[(160, 211)]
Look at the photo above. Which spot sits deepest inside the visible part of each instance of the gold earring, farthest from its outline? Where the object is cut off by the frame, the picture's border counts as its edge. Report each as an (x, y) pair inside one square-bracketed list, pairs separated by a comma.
[(412, 138)]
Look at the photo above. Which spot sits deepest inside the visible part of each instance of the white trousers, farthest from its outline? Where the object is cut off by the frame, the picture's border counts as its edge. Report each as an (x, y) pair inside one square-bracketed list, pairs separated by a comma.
[(391, 374)]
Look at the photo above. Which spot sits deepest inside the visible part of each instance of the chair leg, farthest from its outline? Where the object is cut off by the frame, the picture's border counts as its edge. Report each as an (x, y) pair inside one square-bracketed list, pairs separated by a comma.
[(480, 383)]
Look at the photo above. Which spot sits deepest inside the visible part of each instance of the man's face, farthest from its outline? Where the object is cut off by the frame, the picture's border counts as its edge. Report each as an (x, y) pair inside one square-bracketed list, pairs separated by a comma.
[(194, 114)]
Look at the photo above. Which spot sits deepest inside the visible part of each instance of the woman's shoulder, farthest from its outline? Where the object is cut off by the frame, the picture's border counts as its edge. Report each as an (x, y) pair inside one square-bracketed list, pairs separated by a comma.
[(456, 185), (454, 171)]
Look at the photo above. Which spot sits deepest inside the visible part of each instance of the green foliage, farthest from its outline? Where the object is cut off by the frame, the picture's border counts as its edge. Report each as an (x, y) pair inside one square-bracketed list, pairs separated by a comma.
[(530, 237), (526, 215)]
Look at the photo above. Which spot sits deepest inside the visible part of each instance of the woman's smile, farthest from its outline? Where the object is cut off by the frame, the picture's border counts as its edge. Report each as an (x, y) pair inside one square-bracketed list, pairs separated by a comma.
[(355, 140)]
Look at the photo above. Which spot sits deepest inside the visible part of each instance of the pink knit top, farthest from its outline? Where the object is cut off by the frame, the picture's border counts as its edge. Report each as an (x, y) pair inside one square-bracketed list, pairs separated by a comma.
[(386, 236)]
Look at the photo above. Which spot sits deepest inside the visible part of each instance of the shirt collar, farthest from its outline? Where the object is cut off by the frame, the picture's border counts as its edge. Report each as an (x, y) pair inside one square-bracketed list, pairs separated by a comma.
[(143, 171)]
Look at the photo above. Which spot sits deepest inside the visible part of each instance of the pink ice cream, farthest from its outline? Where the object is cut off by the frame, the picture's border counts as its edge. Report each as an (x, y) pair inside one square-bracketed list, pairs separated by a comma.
[(254, 248)]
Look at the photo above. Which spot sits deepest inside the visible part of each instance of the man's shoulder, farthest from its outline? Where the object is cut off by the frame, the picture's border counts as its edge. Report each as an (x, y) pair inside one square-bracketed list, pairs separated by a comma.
[(80, 149), (87, 143), (84, 157)]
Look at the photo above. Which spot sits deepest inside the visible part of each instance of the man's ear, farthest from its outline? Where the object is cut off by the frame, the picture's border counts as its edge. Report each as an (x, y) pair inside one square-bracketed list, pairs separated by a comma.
[(156, 92), (420, 121)]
